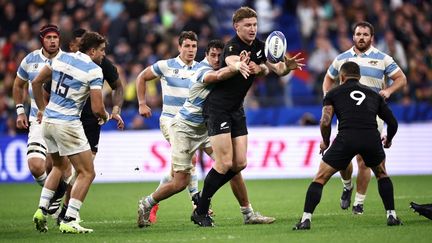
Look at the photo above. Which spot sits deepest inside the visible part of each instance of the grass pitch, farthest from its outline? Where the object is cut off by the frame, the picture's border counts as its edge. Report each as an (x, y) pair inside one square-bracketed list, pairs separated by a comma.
[(110, 209)]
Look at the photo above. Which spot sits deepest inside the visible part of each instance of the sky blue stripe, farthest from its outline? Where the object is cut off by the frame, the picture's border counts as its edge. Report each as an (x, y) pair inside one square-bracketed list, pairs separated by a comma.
[(390, 68), (72, 83), (77, 63), (371, 72), (63, 102), (333, 71), (96, 81), (178, 82), (167, 114), (157, 69), (172, 63), (344, 55), (34, 57), (198, 101), (173, 100), (33, 111), (376, 55), (56, 115), (23, 73), (193, 117)]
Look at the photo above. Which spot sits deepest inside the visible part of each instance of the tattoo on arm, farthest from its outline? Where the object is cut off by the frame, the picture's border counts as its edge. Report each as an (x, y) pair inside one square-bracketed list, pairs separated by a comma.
[(325, 123)]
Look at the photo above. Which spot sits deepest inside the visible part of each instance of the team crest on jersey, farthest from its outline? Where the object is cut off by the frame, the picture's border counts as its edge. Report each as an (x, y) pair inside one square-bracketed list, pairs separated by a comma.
[(230, 48), (373, 63), (35, 66), (176, 71)]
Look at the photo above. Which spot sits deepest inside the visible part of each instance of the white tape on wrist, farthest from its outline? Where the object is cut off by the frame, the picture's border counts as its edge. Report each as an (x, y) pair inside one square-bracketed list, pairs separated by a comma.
[(20, 109), (237, 65)]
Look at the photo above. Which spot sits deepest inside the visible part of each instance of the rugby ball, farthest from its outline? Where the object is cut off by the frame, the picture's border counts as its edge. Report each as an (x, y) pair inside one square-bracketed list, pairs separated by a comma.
[(275, 47)]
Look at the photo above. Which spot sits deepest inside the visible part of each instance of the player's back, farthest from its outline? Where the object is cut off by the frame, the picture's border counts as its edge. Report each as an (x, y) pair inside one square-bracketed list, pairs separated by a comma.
[(355, 105), (73, 75)]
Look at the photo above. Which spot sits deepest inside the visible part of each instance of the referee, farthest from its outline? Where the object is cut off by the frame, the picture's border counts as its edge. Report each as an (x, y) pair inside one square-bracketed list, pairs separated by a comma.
[(356, 107)]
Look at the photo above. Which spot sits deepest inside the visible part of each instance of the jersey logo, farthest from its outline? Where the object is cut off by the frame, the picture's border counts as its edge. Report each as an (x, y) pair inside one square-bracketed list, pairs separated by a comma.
[(258, 54), (230, 48), (176, 71), (223, 126), (373, 63)]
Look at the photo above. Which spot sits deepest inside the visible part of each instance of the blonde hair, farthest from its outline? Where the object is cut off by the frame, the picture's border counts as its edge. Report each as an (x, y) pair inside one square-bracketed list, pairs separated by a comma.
[(243, 13)]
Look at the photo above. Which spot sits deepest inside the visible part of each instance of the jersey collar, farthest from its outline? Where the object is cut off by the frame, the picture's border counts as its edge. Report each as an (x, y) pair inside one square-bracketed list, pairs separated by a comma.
[(183, 65), (366, 53), (45, 59)]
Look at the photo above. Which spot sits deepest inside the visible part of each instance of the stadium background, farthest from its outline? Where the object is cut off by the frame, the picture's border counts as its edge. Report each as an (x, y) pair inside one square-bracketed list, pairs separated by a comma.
[(142, 32)]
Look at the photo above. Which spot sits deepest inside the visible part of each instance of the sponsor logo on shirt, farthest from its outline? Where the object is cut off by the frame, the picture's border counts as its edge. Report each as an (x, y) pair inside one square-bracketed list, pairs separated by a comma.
[(224, 125)]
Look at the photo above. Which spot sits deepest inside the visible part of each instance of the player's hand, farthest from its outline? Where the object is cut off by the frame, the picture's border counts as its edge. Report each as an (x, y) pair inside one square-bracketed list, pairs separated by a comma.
[(118, 118), (104, 119), (39, 116), (245, 56), (386, 142), (323, 147), (254, 68), (294, 62), (385, 93), (144, 111), (21, 121)]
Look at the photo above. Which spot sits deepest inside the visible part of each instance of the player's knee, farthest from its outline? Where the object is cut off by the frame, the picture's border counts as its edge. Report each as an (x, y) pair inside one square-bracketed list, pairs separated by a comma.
[(36, 166)]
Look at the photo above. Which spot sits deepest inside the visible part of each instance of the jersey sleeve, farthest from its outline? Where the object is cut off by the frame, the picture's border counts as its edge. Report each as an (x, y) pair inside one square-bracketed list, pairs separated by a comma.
[(110, 73), (21, 72), (232, 49), (328, 98), (157, 68), (391, 66), (201, 73), (333, 69), (96, 78)]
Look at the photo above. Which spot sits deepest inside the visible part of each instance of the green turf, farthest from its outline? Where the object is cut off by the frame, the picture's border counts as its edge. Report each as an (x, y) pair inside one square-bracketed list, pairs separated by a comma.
[(110, 209)]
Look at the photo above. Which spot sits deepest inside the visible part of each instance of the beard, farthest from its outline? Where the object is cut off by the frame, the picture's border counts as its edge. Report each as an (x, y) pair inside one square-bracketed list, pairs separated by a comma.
[(362, 47)]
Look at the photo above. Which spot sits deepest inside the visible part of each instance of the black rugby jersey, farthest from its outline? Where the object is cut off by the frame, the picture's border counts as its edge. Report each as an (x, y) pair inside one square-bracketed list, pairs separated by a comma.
[(229, 94), (356, 107)]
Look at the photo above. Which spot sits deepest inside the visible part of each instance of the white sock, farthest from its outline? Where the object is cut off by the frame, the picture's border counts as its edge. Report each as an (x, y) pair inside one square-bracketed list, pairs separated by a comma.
[(347, 183), (41, 179), (46, 196), (248, 210), (359, 199), (391, 212), (193, 184), (149, 201), (73, 209), (306, 216), (167, 178)]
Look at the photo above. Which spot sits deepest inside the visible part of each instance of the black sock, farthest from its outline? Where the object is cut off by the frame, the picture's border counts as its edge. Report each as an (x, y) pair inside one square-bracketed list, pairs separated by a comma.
[(63, 211), (313, 197), (228, 176), (61, 190), (212, 183), (385, 189)]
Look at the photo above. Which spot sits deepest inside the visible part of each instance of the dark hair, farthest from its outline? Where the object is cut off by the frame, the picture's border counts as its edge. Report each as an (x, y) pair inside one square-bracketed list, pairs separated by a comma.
[(214, 44), (187, 35), (91, 40), (46, 29), (77, 33), (350, 69), (243, 13), (365, 24)]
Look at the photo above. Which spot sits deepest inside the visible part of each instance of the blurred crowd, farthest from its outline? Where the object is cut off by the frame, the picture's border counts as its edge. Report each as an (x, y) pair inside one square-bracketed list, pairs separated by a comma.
[(140, 32)]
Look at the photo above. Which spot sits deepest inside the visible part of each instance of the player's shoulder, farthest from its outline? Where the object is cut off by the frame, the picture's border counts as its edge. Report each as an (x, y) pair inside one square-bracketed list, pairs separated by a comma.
[(34, 56), (345, 55), (377, 54)]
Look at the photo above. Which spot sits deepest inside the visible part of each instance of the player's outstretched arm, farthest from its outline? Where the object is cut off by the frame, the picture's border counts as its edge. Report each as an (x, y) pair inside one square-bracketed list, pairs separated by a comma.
[(43, 76), (141, 80), (18, 97), (235, 62), (289, 63)]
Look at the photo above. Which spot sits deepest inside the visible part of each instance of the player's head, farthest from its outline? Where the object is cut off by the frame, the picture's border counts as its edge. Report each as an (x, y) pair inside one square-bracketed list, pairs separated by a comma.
[(49, 36), (349, 70), (76, 39), (93, 44), (245, 24), (188, 46), (363, 36), (213, 52)]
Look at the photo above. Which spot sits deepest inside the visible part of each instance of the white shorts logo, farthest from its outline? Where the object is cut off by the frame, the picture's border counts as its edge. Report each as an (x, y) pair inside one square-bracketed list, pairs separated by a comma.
[(223, 126)]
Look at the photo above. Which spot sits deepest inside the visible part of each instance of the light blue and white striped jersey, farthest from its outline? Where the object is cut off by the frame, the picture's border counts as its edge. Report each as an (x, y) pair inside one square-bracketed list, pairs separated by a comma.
[(28, 69), (191, 112), (374, 66), (175, 78), (73, 75)]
